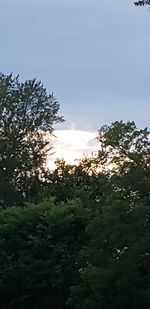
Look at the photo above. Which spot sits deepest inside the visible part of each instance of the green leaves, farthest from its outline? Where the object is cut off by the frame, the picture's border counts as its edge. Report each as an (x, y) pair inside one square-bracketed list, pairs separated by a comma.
[(89, 246), (114, 264), (123, 146), (26, 113), (39, 249)]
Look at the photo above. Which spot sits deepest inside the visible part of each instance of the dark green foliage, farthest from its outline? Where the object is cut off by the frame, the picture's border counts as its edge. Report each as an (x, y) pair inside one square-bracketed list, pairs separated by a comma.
[(80, 181), (26, 111), (124, 146), (115, 265), (39, 253), (93, 251)]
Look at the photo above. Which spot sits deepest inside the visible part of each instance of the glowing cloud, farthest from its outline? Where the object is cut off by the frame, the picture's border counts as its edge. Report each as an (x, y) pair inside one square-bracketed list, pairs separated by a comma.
[(72, 145)]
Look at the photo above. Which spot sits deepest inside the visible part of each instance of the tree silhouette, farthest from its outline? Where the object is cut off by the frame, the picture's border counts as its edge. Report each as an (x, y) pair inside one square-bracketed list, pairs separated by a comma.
[(142, 2)]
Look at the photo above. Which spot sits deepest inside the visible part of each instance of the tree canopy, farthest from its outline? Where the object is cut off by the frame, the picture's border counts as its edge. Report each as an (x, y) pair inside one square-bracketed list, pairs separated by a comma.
[(39, 251), (79, 237), (26, 112), (91, 251)]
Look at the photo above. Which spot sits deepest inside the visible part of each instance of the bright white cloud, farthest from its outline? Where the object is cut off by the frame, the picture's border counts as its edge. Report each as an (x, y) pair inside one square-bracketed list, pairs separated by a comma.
[(72, 145)]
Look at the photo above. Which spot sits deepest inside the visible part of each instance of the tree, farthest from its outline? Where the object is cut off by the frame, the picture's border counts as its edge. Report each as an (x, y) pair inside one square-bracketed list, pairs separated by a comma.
[(81, 181), (114, 265), (39, 253), (93, 251), (123, 146), (142, 3), (27, 113)]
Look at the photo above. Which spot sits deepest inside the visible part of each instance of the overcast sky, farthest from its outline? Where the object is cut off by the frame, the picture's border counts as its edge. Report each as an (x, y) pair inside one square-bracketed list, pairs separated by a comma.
[(93, 54)]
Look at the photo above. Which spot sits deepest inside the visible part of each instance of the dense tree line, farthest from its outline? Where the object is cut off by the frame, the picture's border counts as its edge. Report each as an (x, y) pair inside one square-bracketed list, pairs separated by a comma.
[(77, 238)]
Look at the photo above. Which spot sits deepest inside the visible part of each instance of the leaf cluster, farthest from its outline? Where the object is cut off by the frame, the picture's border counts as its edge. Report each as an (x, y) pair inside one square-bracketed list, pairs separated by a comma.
[(26, 113)]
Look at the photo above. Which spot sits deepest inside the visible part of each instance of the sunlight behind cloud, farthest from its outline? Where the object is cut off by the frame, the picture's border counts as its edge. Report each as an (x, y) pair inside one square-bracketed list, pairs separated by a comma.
[(72, 145)]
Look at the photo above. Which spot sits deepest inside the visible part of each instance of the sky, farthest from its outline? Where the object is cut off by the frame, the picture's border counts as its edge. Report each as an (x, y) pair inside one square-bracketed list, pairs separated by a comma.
[(93, 54)]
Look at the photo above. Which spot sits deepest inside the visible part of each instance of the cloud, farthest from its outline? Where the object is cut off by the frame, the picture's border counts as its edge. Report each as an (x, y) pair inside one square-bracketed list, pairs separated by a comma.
[(71, 145)]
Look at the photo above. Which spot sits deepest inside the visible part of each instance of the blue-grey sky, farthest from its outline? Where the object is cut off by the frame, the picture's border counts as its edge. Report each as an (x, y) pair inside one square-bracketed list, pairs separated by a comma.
[(93, 54)]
